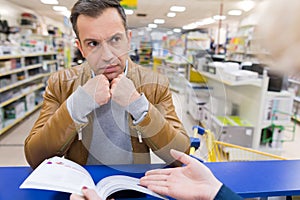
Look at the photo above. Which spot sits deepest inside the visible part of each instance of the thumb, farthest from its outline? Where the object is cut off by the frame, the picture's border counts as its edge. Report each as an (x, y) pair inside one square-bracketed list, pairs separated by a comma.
[(90, 194), (182, 157)]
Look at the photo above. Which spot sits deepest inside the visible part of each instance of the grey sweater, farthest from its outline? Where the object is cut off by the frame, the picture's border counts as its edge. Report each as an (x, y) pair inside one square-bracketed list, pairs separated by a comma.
[(110, 141)]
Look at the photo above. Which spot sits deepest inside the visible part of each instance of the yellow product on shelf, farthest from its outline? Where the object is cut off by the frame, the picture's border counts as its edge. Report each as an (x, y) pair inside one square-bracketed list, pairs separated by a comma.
[(157, 62), (196, 77)]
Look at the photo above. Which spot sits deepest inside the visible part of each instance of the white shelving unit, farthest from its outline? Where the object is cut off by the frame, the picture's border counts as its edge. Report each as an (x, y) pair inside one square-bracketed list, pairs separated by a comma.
[(22, 80), (295, 85), (250, 97), (244, 47)]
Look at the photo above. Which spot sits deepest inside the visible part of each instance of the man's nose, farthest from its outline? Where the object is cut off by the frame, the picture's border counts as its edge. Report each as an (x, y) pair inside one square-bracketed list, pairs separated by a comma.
[(106, 53)]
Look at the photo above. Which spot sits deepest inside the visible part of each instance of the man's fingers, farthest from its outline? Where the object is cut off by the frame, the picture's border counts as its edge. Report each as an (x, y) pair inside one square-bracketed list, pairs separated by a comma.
[(90, 194), (163, 190), (156, 177), (153, 182), (159, 172), (76, 197), (182, 157)]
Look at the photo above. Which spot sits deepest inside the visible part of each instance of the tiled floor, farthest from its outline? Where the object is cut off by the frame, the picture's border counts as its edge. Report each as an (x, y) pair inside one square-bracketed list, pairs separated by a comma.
[(11, 143)]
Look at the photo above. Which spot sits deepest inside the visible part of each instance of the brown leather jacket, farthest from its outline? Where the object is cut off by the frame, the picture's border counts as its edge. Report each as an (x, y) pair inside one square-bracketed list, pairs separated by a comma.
[(55, 133)]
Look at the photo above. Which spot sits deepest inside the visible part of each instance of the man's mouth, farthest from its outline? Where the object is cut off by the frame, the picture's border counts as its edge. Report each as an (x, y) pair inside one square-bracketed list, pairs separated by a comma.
[(110, 68)]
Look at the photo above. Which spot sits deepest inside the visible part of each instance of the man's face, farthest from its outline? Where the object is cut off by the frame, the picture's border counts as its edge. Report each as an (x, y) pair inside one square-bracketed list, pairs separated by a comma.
[(104, 42)]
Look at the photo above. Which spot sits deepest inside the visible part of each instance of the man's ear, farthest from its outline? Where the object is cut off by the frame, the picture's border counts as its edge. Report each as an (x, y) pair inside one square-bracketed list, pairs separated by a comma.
[(129, 36), (78, 44)]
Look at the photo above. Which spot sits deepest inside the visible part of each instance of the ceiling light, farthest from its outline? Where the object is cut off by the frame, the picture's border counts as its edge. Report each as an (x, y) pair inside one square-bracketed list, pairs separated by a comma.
[(169, 32), (176, 30), (159, 21), (206, 21), (235, 12), (52, 2), (128, 12), (247, 5), (177, 8), (141, 33), (60, 8), (152, 25), (219, 17), (171, 14), (190, 26)]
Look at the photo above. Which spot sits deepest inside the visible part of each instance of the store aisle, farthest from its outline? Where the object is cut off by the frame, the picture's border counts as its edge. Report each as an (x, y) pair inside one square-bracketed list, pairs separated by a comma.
[(12, 142)]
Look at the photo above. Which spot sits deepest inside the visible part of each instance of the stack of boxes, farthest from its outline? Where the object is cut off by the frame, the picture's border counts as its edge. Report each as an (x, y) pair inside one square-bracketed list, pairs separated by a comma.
[(14, 111), (232, 129)]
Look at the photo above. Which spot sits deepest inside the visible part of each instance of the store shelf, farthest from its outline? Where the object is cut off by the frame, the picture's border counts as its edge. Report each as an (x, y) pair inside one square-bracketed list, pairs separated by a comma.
[(19, 83), (253, 82), (50, 62), (296, 118), (294, 81), (277, 123), (297, 99), (5, 103), (6, 57), (6, 128), (283, 93), (21, 69)]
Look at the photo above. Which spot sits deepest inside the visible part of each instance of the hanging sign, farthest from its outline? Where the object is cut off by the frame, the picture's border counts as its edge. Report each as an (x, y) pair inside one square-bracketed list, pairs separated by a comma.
[(129, 4)]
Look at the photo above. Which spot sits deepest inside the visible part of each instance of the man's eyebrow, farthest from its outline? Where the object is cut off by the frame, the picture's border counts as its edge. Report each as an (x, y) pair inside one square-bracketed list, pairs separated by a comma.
[(114, 35), (98, 40), (90, 39)]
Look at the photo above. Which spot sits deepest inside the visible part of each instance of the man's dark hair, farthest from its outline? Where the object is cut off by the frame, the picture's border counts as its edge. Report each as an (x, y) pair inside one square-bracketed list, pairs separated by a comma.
[(94, 8)]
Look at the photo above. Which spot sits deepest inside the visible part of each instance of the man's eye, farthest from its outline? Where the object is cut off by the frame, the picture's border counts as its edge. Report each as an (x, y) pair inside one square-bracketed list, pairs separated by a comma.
[(116, 39), (93, 44)]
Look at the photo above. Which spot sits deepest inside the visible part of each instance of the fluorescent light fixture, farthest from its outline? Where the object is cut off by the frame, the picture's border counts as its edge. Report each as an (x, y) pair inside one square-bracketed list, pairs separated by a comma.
[(177, 30), (235, 12), (177, 8), (152, 25), (159, 21), (128, 12), (219, 17), (206, 21), (60, 8), (171, 14), (169, 32), (190, 26), (202, 22), (141, 33), (247, 5), (51, 2)]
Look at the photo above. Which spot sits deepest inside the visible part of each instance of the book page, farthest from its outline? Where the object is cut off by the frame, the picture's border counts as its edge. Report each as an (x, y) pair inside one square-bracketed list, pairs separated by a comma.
[(59, 174), (112, 184)]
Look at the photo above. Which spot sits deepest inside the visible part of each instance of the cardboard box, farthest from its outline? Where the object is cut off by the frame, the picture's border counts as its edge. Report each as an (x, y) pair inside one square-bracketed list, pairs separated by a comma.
[(1, 118), (15, 110), (232, 130), (30, 101), (239, 75)]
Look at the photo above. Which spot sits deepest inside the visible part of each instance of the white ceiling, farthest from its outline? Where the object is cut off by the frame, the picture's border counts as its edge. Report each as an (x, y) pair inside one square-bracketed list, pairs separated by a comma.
[(195, 11)]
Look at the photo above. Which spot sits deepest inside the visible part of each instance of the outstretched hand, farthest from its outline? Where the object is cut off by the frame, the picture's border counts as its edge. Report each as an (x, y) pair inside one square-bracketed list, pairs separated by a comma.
[(193, 181)]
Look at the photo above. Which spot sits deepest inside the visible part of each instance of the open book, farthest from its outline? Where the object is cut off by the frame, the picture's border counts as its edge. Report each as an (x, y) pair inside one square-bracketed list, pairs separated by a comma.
[(63, 175)]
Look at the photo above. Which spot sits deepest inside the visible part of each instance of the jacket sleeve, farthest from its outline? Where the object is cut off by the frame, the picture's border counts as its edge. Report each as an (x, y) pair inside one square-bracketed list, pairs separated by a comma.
[(227, 194), (161, 128), (54, 130)]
